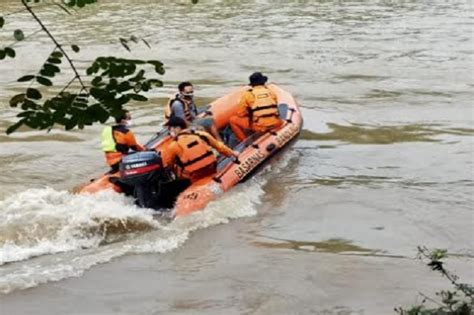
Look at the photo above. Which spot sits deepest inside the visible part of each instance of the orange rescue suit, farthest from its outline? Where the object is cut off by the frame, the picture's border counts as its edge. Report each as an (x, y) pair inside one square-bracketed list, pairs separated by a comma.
[(258, 111), (190, 154), (125, 140)]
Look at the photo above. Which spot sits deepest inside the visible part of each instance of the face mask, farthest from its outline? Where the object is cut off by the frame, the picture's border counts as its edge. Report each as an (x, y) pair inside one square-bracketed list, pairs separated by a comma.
[(188, 96), (129, 123)]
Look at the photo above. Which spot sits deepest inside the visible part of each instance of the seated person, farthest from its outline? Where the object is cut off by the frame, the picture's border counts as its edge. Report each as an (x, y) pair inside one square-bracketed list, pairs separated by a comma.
[(258, 109), (118, 140), (183, 106), (190, 153)]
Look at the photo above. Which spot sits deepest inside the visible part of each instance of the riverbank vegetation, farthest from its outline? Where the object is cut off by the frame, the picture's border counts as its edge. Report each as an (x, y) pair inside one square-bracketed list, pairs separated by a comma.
[(459, 300)]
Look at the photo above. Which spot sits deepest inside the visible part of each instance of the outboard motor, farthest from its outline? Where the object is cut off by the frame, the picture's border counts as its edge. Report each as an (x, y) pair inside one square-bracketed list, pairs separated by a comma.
[(144, 171)]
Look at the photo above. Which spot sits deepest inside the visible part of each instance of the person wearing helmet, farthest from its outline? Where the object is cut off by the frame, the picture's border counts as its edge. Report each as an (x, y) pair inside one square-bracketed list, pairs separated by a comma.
[(190, 153), (258, 109)]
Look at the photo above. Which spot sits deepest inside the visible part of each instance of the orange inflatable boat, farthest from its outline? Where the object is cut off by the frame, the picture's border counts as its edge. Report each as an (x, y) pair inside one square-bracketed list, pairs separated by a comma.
[(155, 187)]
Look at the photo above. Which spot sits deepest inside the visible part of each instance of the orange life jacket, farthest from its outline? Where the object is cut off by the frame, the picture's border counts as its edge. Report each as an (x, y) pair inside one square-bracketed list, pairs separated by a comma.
[(187, 111), (263, 111), (123, 144), (196, 152)]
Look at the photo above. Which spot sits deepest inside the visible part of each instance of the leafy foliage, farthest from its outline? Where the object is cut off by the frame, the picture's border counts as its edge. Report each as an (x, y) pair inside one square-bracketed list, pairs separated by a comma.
[(19, 35), (459, 301), (115, 82)]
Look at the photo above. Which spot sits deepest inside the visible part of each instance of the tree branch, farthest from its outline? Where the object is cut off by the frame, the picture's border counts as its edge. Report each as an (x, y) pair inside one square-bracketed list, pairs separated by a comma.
[(26, 37), (56, 43), (68, 85)]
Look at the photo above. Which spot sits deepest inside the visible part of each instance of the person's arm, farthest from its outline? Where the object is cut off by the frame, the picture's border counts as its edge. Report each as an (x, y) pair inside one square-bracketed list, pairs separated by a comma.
[(169, 154), (244, 103), (219, 146), (132, 142)]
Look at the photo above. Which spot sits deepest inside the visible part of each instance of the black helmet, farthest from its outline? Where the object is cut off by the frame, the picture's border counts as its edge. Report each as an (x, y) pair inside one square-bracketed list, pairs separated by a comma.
[(257, 78), (176, 122)]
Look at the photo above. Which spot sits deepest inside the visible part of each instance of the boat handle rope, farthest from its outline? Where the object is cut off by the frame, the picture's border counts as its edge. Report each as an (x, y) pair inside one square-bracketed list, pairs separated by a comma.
[(290, 120), (218, 179)]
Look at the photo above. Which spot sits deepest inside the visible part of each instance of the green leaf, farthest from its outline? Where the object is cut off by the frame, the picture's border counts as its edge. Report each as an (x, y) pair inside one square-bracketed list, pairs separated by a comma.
[(101, 94), (26, 113), (69, 3), (137, 87), (44, 81), (51, 67), (98, 111), (146, 86), (155, 82), (56, 54), (49, 70), (123, 41), (14, 127), (29, 104), (26, 78), (97, 81), (10, 52), (160, 70), (146, 43), (156, 63), (18, 35), (46, 73), (71, 123), (75, 48), (33, 94), (93, 69), (124, 86), (135, 61), (17, 99), (54, 60), (2, 21)]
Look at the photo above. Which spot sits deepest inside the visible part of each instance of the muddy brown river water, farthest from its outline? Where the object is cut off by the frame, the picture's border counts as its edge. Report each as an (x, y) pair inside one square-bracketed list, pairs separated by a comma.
[(331, 226)]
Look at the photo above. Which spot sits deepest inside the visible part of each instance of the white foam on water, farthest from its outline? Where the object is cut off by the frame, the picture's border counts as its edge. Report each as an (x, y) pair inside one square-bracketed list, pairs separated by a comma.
[(77, 229), (46, 221)]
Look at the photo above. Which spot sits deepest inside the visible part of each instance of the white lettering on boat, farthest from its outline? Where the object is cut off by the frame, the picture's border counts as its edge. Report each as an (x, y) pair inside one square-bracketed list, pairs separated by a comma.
[(248, 164), (135, 165), (286, 135)]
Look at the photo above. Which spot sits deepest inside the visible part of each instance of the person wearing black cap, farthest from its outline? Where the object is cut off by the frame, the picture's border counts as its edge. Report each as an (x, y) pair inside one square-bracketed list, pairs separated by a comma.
[(190, 153), (258, 109)]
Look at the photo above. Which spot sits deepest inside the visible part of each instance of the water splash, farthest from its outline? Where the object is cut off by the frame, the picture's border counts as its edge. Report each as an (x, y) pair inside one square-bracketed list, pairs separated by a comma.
[(48, 235), (85, 230), (45, 221)]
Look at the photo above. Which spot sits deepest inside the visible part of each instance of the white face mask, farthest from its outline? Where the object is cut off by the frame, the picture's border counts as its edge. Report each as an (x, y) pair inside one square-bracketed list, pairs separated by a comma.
[(129, 123)]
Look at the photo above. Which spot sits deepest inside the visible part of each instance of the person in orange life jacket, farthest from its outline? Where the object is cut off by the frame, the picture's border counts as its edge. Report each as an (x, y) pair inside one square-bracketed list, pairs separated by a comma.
[(118, 140), (182, 106), (258, 109), (190, 154)]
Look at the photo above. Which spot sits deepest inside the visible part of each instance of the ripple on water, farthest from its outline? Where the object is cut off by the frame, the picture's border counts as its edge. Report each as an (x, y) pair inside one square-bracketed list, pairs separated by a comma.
[(334, 245), (370, 134)]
